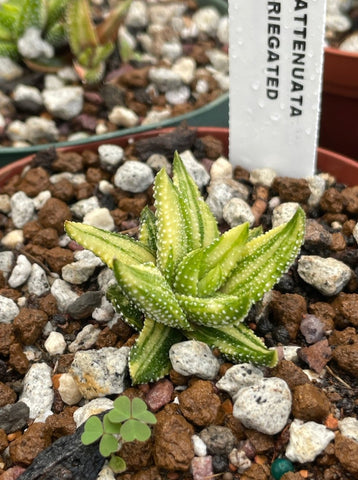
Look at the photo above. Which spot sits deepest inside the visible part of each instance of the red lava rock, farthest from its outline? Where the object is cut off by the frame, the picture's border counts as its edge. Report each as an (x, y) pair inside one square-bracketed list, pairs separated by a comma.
[(332, 201), (54, 213), (260, 441), (325, 312), (7, 395), (7, 337), (58, 257), (345, 306), (84, 190), (95, 175), (292, 189), (25, 448), (235, 426), (256, 472), (62, 423), (28, 325), (12, 473), (68, 162), (31, 229), (213, 147), (291, 373), (309, 403), (173, 449), (338, 242), (3, 439), (133, 205), (36, 251), (317, 237), (36, 180), (47, 237), (48, 304), (350, 198), (18, 359), (201, 405), (292, 476), (63, 190), (159, 395), (107, 338), (137, 455), (151, 473), (346, 450), (347, 358), (317, 355), (288, 310), (343, 337)]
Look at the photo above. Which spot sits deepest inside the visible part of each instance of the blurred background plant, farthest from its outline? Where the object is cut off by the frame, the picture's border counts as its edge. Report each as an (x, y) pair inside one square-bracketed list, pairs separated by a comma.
[(48, 34)]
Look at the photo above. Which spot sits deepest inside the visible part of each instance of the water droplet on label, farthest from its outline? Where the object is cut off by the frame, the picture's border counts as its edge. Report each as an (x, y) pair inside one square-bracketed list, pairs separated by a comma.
[(255, 85), (275, 117), (261, 103), (308, 131)]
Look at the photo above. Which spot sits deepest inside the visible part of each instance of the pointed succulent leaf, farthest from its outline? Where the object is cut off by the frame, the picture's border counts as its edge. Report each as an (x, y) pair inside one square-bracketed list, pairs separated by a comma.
[(108, 245), (236, 343), (171, 235), (56, 10), (109, 426), (93, 430), (107, 31), (149, 356), (100, 54), (8, 49), (122, 305), (80, 29), (225, 252), (32, 14), (9, 17), (146, 287), (216, 310), (255, 232), (200, 224), (117, 464), (134, 430), (148, 228), (108, 445), (211, 282), (266, 258), (5, 34), (187, 274), (56, 35), (140, 411)]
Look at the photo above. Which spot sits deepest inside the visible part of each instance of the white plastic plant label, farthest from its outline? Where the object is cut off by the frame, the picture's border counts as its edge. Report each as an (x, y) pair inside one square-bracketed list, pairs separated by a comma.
[(276, 56)]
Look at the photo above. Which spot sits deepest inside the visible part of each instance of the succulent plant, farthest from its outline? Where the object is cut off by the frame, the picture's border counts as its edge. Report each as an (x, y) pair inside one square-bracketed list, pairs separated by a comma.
[(127, 421), (183, 279), (57, 24)]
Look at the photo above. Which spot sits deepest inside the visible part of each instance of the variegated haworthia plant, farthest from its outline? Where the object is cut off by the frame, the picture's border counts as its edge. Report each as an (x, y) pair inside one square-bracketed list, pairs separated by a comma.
[(183, 279), (59, 24)]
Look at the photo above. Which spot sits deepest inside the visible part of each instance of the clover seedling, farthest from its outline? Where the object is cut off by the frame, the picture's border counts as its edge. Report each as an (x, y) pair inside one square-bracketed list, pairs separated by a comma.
[(127, 421)]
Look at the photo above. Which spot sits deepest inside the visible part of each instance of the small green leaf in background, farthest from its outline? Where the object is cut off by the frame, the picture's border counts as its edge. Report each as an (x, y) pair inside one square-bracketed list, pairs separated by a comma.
[(117, 464), (135, 430), (110, 427), (108, 445), (93, 430), (140, 411), (121, 410)]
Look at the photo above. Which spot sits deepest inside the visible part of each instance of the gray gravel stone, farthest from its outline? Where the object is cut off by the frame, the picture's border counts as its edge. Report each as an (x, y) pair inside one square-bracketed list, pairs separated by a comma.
[(32, 45), (55, 343), (207, 20), (327, 275), (63, 294), (82, 207), (84, 305), (263, 176), (41, 199), (223, 30), (37, 390), (219, 440), (100, 218), (74, 178), (17, 131), (14, 417), (40, 129), (283, 213), (22, 209), (200, 448), (219, 60), (133, 176), (20, 272), (185, 67), (164, 79), (38, 283), (220, 192), (264, 406), (195, 169), (64, 103), (317, 186), (137, 15), (94, 407), (239, 376), (9, 70), (85, 339), (8, 310), (349, 427), (307, 440), (221, 169), (106, 368), (237, 211), (178, 96), (157, 161), (171, 50), (312, 328), (110, 156), (6, 262), (5, 205), (194, 358), (123, 117), (25, 93), (103, 313), (13, 239)]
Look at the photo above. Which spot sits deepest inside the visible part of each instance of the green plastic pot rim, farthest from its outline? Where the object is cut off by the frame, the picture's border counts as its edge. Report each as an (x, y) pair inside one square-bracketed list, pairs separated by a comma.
[(344, 169)]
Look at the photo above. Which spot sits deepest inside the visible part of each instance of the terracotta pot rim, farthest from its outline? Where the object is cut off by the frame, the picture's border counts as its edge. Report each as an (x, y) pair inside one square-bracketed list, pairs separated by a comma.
[(340, 53)]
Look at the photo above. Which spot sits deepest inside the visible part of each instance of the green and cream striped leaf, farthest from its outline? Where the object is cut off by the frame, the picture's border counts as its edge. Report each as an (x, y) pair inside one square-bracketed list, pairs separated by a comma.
[(171, 232), (216, 310), (187, 274), (237, 343), (32, 14), (200, 223), (148, 229), (80, 29), (149, 356), (146, 287), (266, 258), (108, 245), (122, 305)]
